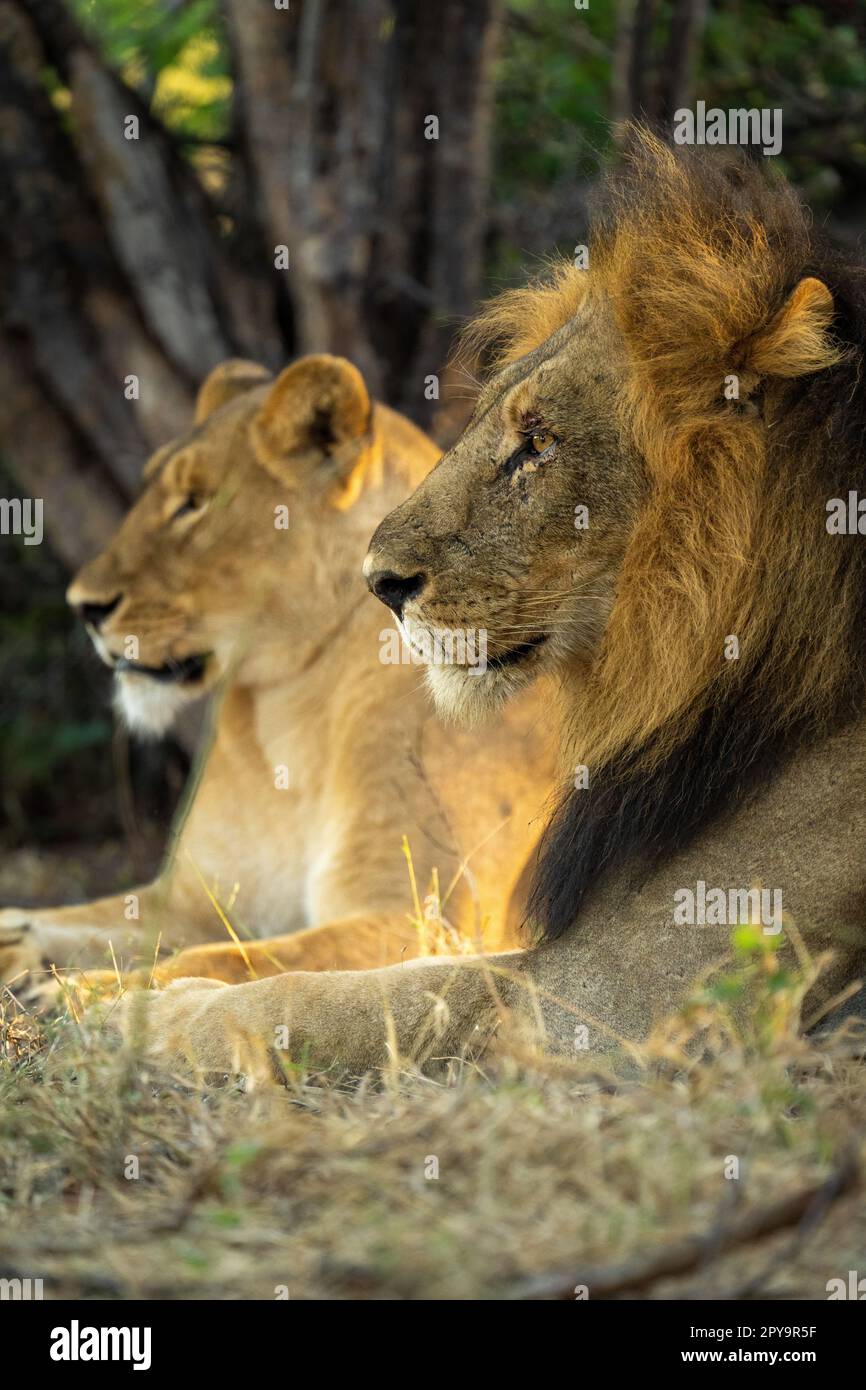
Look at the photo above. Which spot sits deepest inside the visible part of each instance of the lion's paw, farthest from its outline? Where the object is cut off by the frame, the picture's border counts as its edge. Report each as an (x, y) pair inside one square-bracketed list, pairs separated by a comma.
[(164, 1023)]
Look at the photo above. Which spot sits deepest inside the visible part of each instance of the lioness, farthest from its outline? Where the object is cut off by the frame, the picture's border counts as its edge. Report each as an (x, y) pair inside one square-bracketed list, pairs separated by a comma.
[(652, 504), (239, 566)]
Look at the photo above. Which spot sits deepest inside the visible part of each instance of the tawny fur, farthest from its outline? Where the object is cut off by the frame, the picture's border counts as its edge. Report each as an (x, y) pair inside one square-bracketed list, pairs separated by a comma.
[(696, 300), (313, 871), (707, 522)]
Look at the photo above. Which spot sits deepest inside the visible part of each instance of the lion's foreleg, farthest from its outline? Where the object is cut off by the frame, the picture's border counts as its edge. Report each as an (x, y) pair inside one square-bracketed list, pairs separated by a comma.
[(356, 1020)]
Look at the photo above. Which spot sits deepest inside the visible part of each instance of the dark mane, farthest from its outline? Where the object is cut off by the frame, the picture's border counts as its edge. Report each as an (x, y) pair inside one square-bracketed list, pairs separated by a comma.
[(700, 256)]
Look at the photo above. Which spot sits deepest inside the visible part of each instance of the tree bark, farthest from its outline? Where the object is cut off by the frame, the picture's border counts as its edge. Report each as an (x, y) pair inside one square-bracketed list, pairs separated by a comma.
[(116, 263), (648, 84), (684, 38), (384, 226), (52, 461)]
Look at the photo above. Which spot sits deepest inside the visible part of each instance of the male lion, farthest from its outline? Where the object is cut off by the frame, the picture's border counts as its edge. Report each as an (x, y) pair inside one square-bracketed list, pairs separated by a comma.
[(638, 509), (240, 566)]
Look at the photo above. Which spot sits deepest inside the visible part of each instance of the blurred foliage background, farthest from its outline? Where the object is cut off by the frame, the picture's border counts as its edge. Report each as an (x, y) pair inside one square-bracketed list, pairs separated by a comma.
[(553, 102), (257, 130)]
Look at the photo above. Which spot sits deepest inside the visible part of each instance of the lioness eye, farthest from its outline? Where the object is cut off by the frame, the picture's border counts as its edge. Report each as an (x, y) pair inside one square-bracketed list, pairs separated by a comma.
[(191, 503), (542, 441)]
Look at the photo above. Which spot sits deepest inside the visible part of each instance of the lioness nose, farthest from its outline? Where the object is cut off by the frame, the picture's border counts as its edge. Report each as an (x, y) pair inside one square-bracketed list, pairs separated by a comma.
[(94, 614), (395, 589)]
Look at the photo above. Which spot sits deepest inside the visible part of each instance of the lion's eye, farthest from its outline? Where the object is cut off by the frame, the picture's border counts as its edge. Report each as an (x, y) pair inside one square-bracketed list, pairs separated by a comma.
[(536, 446), (541, 441)]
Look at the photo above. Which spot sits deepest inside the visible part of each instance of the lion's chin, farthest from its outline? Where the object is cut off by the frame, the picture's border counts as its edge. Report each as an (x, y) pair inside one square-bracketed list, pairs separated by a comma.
[(462, 697), (148, 708)]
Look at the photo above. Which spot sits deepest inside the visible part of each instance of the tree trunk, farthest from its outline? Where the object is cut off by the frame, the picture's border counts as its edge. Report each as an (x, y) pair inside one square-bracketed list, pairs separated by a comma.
[(116, 263), (383, 223), (684, 38), (647, 83)]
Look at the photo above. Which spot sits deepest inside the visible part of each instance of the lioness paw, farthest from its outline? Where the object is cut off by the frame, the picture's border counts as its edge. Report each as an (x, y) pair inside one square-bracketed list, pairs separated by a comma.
[(24, 964)]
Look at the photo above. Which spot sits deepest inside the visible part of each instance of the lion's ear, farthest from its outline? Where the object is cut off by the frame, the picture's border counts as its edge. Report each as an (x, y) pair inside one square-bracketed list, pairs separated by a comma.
[(228, 380), (318, 402), (795, 341)]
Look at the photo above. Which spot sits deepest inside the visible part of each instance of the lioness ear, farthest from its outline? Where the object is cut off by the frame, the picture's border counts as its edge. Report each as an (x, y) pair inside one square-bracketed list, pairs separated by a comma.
[(795, 341), (319, 402), (228, 380)]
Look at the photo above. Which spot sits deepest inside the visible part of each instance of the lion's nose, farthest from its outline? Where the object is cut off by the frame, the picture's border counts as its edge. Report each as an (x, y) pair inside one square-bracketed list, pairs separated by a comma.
[(94, 614), (394, 589)]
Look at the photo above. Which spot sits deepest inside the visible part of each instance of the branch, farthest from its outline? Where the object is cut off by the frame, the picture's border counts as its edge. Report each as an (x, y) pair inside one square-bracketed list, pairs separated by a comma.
[(683, 1257)]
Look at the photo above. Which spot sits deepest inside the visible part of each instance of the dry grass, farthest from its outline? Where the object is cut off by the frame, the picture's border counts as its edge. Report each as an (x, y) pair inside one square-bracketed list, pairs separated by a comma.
[(579, 1165)]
